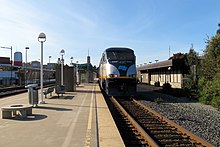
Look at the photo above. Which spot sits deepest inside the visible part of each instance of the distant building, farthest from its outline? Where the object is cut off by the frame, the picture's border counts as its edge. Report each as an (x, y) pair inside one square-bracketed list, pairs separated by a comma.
[(170, 71), (20, 73), (5, 60), (35, 64), (17, 59), (86, 71), (51, 66)]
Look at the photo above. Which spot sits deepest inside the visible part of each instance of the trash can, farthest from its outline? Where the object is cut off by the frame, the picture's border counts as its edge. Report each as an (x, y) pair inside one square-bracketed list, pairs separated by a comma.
[(32, 94)]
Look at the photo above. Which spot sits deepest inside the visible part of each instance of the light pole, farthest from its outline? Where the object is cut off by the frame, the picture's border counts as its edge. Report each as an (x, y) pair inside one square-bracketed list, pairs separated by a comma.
[(11, 62), (62, 52), (25, 81), (49, 67), (71, 63), (77, 73), (49, 61), (41, 39)]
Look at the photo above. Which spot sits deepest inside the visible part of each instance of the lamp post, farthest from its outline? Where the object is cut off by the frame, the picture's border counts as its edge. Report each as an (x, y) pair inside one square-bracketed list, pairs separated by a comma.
[(71, 63), (77, 74), (49, 61), (41, 39), (25, 81), (62, 52), (10, 62)]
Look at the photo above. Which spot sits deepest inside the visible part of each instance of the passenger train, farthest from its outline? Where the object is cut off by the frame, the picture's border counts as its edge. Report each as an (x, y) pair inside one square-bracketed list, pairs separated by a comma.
[(117, 72)]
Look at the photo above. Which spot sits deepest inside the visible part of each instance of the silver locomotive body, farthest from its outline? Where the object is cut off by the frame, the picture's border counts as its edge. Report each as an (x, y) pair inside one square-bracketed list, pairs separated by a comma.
[(117, 72)]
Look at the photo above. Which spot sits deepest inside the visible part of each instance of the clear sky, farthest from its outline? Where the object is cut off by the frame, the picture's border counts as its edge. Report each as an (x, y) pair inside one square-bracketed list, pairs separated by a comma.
[(147, 26)]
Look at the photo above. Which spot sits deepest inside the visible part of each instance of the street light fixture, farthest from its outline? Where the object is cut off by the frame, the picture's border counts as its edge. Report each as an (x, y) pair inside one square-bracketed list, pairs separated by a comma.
[(25, 82), (41, 39), (62, 52), (11, 62)]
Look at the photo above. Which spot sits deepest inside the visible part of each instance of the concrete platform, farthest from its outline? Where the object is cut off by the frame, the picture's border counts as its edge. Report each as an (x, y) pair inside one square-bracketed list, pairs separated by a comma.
[(78, 119)]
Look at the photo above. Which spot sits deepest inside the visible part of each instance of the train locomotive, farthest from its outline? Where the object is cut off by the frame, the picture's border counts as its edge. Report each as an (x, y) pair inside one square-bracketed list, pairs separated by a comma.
[(117, 72)]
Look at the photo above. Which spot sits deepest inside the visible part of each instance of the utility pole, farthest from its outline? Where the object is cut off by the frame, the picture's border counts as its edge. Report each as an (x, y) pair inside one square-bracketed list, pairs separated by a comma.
[(169, 51)]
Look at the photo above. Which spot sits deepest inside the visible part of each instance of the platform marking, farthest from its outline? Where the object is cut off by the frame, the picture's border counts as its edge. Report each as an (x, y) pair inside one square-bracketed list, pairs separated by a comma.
[(89, 127), (69, 135)]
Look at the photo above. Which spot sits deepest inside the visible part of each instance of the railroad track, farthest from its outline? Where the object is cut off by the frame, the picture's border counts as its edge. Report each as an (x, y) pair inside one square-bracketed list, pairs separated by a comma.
[(12, 90), (153, 129), (8, 91), (128, 132)]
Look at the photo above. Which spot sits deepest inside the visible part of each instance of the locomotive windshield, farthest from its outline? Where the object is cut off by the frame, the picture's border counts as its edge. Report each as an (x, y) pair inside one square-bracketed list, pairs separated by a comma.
[(120, 55)]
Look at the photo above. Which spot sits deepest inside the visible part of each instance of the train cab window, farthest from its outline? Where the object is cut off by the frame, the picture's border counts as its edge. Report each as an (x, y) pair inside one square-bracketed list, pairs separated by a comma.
[(117, 55)]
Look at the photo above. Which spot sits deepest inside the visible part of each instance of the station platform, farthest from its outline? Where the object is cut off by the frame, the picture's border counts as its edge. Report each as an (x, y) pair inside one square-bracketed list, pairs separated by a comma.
[(75, 119)]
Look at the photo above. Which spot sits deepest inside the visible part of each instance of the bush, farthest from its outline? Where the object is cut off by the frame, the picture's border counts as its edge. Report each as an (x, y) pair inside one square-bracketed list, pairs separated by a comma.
[(158, 100), (157, 84), (167, 88), (210, 91), (216, 102)]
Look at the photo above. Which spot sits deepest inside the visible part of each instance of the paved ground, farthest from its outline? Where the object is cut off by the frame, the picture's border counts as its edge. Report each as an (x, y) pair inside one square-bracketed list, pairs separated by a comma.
[(78, 119)]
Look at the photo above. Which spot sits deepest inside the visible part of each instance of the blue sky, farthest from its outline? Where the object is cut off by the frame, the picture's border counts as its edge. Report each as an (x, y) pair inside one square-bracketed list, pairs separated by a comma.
[(147, 26)]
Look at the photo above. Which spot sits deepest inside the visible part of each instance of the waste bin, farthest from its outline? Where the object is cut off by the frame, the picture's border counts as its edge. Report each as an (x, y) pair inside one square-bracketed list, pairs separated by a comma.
[(32, 94)]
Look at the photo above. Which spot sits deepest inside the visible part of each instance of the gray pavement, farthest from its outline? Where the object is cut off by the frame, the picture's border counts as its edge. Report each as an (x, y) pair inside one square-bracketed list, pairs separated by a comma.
[(76, 119)]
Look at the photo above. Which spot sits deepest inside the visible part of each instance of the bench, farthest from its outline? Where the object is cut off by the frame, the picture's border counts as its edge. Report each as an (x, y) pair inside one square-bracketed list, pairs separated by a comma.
[(13, 110), (47, 91), (60, 90)]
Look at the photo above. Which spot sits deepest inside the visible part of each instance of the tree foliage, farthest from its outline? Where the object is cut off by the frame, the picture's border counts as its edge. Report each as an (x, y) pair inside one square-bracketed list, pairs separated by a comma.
[(192, 57), (190, 82), (209, 81)]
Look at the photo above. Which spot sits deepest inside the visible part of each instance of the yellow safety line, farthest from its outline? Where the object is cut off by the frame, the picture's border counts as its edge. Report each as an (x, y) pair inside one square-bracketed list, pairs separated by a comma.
[(89, 127)]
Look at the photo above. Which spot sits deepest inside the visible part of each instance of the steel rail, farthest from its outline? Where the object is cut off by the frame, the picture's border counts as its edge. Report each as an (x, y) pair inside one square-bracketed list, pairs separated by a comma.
[(147, 138), (179, 128)]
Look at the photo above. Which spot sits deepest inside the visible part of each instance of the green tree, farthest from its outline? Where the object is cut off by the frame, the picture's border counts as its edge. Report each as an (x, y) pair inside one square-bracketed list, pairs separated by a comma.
[(211, 62), (209, 82), (190, 82)]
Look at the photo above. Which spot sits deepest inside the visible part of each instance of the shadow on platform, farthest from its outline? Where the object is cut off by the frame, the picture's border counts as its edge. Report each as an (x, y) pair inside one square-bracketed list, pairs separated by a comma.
[(62, 97), (94, 107), (31, 117), (87, 91), (53, 108)]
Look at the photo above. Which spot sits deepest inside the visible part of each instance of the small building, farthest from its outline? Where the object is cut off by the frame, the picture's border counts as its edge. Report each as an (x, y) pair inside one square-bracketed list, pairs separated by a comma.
[(69, 77), (51, 66), (170, 71), (17, 59), (35, 64), (5, 60), (86, 72)]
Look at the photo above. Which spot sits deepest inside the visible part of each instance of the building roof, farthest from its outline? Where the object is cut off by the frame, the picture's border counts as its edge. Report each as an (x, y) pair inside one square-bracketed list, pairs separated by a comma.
[(178, 63), (161, 64)]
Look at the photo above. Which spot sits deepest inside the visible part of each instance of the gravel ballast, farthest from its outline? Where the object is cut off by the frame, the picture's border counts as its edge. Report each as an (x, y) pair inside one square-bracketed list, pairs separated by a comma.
[(202, 120)]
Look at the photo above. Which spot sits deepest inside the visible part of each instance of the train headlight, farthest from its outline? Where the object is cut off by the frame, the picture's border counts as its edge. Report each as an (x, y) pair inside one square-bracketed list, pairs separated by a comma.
[(113, 75)]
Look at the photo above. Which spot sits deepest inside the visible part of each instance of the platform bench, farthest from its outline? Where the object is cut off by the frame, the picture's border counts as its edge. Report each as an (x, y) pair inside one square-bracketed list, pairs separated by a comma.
[(60, 90), (13, 110), (47, 91)]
